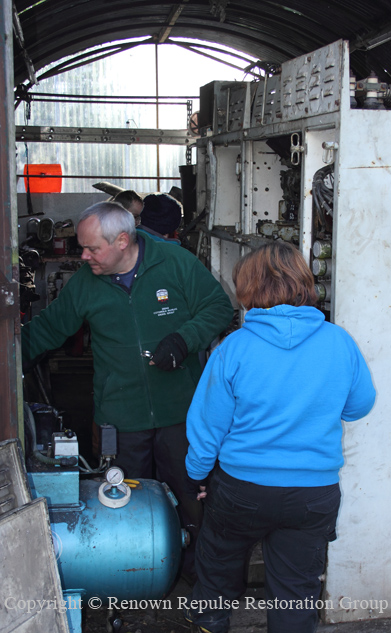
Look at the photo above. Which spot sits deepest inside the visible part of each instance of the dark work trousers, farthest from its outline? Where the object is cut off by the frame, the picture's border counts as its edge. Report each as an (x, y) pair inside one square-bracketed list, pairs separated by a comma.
[(294, 526), (160, 454)]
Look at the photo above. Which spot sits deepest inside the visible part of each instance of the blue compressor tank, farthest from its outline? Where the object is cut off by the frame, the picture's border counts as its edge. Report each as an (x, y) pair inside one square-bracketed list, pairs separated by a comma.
[(131, 552)]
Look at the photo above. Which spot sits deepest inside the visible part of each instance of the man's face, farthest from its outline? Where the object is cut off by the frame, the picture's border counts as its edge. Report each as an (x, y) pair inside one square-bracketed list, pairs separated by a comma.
[(103, 258), (136, 209)]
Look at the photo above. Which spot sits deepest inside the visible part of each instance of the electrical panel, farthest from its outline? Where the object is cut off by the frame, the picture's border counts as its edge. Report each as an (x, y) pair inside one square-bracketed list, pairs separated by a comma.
[(268, 156)]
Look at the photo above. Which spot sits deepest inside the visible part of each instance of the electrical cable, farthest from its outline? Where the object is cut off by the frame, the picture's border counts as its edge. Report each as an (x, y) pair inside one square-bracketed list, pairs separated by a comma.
[(101, 468), (323, 193)]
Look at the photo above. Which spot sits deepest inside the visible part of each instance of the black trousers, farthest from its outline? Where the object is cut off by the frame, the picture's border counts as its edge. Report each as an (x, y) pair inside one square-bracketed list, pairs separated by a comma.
[(294, 526), (160, 454)]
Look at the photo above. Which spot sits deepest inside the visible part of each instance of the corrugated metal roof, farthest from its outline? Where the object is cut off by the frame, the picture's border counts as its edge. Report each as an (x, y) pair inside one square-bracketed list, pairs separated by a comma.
[(267, 30)]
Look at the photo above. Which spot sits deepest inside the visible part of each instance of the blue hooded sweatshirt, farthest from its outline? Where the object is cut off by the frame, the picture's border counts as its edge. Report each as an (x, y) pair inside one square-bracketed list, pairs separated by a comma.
[(270, 401)]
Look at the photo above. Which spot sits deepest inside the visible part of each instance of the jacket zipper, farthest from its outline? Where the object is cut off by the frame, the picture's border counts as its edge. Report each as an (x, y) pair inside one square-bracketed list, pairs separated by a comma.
[(140, 350)]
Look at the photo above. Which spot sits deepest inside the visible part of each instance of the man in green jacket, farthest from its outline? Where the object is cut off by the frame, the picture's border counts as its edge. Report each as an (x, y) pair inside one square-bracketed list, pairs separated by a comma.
[(140, 298)]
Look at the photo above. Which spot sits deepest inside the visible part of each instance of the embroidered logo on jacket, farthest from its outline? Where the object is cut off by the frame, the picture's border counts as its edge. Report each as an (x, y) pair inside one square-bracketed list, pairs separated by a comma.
[(162, 296)]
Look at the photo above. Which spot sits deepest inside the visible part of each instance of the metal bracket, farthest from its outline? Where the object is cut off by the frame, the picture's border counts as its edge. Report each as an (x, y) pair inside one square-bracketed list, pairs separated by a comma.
[(296, 149), (329, 149)]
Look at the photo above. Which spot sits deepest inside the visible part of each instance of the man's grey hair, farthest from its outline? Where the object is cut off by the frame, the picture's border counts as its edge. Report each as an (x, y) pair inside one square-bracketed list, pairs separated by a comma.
[(113, 220)]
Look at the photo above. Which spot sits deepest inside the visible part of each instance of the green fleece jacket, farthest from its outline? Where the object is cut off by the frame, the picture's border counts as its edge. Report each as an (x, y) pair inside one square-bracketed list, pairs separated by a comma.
[(172, 292)]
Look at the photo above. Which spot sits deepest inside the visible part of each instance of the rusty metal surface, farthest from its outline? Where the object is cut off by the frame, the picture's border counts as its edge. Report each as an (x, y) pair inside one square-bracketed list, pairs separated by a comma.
[(14, 487), (31, 587), (9, 307), (9, 317)]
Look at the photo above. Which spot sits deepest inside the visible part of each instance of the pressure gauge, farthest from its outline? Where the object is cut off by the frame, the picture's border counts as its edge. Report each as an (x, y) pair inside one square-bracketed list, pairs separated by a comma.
[(114, 476)]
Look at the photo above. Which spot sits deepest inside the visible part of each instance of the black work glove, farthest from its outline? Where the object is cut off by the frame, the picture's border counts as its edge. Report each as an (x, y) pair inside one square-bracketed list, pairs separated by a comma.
[(170, 352), (192, 486)]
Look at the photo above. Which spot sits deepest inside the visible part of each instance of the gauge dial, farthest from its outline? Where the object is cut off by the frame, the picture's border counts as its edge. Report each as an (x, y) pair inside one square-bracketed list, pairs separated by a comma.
[(114, 476)]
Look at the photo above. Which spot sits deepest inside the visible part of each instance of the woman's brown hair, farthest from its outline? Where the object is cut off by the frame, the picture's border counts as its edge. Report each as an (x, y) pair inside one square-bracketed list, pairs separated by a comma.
[(274, 274)]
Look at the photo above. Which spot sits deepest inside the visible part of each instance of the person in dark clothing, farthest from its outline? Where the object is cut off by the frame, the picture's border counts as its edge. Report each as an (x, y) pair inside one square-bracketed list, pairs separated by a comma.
[(161, 217), (141, 298)]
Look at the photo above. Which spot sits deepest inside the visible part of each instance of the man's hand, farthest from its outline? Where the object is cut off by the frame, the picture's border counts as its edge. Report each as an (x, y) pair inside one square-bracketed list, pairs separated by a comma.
[(170, 352)]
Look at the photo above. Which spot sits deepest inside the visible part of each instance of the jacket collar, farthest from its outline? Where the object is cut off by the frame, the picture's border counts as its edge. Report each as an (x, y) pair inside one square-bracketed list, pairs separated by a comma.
[(153, 254)]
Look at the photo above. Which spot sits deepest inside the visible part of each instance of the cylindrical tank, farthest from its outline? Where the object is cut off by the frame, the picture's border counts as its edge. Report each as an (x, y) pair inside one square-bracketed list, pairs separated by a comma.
[(131, 552)]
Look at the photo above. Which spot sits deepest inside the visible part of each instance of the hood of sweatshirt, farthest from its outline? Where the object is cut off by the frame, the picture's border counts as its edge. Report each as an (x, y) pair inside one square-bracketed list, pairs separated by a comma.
[(284, 326)]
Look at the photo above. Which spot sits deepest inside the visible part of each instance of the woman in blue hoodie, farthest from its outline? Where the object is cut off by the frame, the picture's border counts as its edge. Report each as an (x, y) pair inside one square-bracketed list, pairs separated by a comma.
[(266, 419)]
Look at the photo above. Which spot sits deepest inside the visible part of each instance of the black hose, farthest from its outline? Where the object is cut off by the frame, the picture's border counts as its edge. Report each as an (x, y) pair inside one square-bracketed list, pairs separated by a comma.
[(30, 423), (322, 194)]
